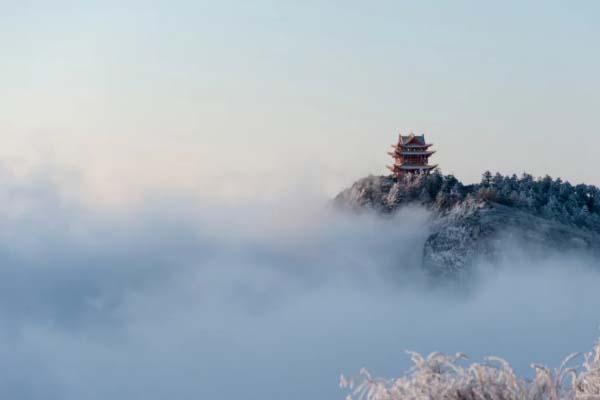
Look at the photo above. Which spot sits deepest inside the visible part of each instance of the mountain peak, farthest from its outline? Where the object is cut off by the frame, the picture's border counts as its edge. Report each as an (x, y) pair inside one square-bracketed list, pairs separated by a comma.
[(469, 222)]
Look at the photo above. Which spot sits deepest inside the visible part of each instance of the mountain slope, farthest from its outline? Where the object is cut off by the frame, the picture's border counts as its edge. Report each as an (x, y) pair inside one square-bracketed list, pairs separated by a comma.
[(477, 221)]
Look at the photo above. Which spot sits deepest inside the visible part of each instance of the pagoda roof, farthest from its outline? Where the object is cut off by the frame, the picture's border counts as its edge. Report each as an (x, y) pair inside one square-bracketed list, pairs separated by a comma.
[(412, 139), (414, 166), (408, 166), (413, 145), (396, 168), (411, 153)]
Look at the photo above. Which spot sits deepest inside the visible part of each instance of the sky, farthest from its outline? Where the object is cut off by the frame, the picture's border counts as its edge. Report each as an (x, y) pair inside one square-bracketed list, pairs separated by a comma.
[(233, 100)]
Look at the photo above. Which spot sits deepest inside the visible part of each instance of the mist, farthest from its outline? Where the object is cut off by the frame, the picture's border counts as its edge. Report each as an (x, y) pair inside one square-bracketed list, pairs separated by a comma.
[(180, 298)]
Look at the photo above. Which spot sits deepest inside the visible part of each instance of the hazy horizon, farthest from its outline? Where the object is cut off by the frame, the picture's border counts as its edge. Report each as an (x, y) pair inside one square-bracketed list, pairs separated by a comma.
[(221, 97)]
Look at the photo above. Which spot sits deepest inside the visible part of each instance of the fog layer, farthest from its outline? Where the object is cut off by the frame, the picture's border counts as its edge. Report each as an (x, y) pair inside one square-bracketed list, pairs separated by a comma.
[(180, 299)]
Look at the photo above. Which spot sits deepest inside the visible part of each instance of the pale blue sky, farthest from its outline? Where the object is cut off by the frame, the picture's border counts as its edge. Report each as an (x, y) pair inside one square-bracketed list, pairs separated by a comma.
[(218, 97)]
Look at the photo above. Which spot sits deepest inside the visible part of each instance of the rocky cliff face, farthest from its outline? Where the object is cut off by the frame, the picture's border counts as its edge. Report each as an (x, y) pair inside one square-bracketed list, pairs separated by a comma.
[(476, 222)]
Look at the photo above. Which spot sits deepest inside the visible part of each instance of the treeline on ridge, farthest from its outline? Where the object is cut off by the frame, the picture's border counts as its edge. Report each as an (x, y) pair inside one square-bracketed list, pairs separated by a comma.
[(546, 197)]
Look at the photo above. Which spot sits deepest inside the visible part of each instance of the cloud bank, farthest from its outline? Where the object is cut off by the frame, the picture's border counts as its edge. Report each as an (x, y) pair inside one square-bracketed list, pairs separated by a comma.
[(179, 299)]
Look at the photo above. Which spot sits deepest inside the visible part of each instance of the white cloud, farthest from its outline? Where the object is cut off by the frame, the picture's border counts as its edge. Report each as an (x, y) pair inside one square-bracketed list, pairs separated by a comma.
[(176, 299)]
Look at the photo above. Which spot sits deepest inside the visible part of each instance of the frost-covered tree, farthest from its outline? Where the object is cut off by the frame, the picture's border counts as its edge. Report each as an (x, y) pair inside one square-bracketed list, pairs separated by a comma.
[(486, 179), (546, 197), (443, 377)]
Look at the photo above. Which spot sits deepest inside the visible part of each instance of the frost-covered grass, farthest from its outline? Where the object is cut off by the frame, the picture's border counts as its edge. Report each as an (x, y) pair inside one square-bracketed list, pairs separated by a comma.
[(445, 377)]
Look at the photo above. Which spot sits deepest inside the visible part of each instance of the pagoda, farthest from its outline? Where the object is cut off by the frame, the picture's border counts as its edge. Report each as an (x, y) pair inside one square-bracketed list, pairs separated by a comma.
[(411, 156)]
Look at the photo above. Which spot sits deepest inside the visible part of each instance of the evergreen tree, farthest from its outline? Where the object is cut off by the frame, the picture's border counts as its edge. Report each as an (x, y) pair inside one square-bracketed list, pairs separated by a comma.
[(486, 179)]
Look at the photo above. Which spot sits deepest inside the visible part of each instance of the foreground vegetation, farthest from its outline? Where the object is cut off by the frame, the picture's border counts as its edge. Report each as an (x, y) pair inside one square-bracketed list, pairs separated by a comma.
[(443, 377)]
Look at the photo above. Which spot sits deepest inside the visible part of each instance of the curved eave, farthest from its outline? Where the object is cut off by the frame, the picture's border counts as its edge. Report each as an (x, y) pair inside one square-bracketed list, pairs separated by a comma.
[(415, 146), (411, 146), (413, 153), (396, 154), (408, 167)]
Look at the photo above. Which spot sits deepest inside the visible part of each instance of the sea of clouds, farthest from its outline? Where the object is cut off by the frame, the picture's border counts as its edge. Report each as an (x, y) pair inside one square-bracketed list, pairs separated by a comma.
[(186, 299)]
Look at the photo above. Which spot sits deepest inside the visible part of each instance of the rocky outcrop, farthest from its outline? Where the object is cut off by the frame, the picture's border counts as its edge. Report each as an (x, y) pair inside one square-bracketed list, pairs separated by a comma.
[(475, 222)]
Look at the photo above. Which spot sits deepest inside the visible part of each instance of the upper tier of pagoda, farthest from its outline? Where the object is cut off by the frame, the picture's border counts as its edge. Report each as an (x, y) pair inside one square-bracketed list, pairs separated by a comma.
[(411, 155)]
